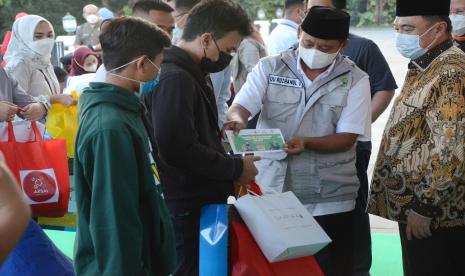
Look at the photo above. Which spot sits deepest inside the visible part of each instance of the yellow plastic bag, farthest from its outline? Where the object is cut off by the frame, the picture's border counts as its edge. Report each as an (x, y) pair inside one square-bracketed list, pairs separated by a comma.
[(62, 123), (69, 221)]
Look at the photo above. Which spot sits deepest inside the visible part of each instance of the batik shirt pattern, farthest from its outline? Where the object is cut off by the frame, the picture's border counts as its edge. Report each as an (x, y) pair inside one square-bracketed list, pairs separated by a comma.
[(420, 165)]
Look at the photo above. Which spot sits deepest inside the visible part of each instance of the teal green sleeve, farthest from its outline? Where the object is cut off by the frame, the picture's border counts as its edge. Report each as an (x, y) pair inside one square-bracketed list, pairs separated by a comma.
[(115, 225)]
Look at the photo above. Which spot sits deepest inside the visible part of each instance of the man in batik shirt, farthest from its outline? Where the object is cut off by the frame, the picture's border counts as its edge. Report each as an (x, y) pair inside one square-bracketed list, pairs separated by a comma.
[(419, 178)]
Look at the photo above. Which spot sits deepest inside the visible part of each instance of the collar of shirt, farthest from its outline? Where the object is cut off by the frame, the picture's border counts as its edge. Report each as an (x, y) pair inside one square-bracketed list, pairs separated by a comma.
[(289, 23), (308, 82), (460, 45), (425, 60)]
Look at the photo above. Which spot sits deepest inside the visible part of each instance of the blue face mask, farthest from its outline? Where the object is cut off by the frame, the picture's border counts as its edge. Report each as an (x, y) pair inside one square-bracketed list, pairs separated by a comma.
[(177, 34), (145, 87), (409, 45), (149, 86)]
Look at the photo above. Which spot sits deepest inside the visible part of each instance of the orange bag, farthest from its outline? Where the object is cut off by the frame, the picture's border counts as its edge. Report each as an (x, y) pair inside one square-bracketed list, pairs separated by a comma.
[(41, 168)]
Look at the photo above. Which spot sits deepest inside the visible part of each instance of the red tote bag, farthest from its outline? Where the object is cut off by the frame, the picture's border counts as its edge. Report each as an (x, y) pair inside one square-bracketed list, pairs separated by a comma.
[(41, 168), (248, 260)]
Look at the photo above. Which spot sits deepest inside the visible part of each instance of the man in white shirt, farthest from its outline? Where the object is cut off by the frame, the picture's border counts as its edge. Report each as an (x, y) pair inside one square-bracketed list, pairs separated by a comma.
[(321, 102), (284, 36)]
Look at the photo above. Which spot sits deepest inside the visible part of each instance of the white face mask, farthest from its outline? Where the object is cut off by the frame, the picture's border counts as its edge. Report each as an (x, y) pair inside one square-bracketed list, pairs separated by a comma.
[(315, 59), (458, 24), (409, 45), (43, 47), (91, 68), (92, 19)]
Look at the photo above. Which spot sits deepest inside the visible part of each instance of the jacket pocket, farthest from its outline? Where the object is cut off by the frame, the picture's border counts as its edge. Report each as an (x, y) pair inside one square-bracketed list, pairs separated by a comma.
[(327, 112), (335, 99), (302, 177), (281, 103), (338, 178)]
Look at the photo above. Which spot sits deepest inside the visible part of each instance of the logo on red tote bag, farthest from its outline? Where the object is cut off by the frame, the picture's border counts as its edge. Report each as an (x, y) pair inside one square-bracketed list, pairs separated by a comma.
[(39, 186)]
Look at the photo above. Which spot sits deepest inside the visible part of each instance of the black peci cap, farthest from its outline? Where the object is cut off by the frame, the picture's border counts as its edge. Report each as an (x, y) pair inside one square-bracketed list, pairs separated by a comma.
[(291, 3), (423, 8), (326, 23)]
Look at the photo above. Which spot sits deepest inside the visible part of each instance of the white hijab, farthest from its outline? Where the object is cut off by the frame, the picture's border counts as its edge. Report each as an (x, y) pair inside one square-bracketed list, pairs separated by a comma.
[(22, 44)]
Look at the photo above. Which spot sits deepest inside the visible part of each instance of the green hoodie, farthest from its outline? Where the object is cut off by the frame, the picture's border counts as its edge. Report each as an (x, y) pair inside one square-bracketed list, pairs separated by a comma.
[(123, 224)]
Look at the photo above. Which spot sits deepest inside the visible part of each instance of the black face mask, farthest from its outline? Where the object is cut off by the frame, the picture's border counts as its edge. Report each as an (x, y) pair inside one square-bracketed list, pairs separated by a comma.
[(210, 66)]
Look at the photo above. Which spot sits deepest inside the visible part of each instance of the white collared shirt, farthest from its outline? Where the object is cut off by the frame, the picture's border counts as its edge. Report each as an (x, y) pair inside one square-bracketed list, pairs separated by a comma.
[(283, 37), (355, 118)]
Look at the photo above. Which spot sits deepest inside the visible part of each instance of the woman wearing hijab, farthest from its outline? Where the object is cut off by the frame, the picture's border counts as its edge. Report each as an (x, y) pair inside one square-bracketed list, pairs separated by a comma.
[(85, 61), (6, 40), (28, 59)]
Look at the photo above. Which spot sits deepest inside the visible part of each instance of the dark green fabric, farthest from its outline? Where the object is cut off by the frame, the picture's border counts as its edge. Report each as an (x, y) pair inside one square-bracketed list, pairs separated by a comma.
[(123, 224)]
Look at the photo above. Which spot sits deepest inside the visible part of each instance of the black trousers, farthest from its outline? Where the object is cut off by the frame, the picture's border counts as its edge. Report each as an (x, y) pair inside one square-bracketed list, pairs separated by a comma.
[(442, 254), (362, 234), (186, 228), (336, 258)]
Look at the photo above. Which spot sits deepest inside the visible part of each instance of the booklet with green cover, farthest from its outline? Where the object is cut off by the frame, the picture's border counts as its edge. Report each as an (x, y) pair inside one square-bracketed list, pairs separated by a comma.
[(256, 141)]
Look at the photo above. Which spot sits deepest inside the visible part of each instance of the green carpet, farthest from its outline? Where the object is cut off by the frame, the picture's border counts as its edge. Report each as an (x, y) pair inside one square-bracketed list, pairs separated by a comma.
[(387, 260), (387, 255), (63, 240)]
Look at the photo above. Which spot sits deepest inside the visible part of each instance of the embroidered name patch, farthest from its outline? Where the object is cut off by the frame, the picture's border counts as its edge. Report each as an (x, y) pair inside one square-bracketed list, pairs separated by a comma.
[(284, 81)]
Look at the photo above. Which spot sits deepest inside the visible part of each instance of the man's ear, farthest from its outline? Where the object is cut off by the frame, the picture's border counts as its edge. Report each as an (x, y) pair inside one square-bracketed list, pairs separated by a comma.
[(205, 40), (441, 28), (345, 44), (140, 63)]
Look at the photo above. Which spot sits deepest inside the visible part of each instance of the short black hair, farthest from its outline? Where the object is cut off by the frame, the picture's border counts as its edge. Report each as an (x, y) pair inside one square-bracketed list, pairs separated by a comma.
[(186, 5), (288, 4), (218, 17), (145, 6), (339, 4), (60, 73), (439, 18), (125, 38)]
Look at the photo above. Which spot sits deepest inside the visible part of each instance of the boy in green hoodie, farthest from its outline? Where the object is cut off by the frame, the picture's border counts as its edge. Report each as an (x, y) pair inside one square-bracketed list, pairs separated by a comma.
[(123, 224)]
